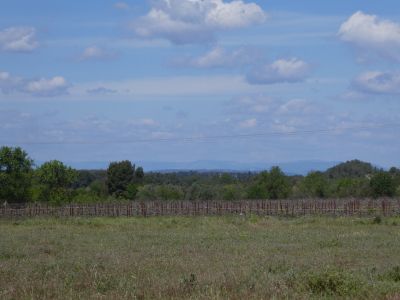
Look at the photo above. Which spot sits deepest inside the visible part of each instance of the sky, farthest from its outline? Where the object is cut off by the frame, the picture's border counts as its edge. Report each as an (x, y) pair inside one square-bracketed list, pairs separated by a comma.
[(193, 80)]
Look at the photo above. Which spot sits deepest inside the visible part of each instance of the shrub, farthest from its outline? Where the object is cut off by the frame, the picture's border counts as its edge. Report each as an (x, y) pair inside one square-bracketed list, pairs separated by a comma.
[(377, 220), (393, 274), (85, 195), (160, 192), (332, 282), (256, 191), (315, 184), (131, 191), (189, 282), (382, 185), (231, 192)]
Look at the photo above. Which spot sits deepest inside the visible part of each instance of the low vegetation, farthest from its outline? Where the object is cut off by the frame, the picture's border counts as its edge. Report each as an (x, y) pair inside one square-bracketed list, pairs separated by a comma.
[(237, 257)]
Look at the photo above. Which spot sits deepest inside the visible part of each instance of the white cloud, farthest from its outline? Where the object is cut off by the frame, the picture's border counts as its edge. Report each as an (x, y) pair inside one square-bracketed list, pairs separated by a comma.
[(47, 87), (283, 127), (121, 6), (283, 70), (146, 122), (297, 106), (250, 123), (196, 21), (36, 87), (167, 86), (8, 83), (369, 33), (18, 39), (264, 105), (95, 53), (376, 82), (253, 104), (101, 91), (219, 57)]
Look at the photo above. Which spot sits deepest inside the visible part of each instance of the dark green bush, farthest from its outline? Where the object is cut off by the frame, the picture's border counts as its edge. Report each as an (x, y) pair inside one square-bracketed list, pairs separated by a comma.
[(332, 283), (393, 274)]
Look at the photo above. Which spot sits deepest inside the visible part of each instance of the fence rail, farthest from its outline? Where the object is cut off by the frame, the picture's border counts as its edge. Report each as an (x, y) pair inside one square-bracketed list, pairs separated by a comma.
[(334, 207)]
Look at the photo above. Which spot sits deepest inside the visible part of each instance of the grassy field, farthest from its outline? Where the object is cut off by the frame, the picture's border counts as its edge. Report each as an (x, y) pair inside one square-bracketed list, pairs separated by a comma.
[(237, 257)]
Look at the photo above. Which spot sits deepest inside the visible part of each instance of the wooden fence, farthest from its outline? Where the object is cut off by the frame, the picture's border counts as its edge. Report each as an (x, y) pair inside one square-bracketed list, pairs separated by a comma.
[(334, 207)]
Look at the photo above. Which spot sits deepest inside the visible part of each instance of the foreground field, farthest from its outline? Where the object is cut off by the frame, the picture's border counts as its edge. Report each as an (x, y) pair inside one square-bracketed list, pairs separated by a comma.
[(237, 257)]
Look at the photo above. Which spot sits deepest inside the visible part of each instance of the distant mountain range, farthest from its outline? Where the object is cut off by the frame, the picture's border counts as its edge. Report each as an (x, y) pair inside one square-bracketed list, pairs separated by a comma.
[(290, 168)]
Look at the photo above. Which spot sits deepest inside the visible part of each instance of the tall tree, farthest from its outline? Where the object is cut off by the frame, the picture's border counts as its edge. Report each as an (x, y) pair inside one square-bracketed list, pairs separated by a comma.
[(139, 174), (15, 174), (119, 176), (383, 185), (55, 180), (277, 184), (315, 184)]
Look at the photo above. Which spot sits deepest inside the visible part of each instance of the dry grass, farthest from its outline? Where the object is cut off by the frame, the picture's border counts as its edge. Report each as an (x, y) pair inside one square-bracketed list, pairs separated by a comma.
[(235, 257)]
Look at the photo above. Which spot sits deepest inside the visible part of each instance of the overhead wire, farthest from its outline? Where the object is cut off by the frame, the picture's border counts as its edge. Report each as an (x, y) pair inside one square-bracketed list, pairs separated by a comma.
[(210, 137)]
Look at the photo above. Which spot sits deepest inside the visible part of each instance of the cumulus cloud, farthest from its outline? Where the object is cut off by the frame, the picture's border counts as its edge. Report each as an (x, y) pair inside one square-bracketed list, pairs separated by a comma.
[(95, 53), (18, 39), (196, 21), (47, 87), (37, 87), (376, 82), (121, 6), (283, 70), (369, 33), (218, 57)]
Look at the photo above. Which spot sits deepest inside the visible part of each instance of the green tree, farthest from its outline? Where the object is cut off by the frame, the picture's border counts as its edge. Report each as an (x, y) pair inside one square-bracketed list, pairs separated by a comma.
[(193, 192), (169, 192), (350, 169), (15, 174), (139, 174), (198, 191), (84, 178), (131, 191), (350, 187), (99, 188), (273, 185), (257, 191), (395, 173), (226, 178), (315, 184), (146, 192), (119, 176), (383, 185), (277, 184), (232, 192), (55, 180)]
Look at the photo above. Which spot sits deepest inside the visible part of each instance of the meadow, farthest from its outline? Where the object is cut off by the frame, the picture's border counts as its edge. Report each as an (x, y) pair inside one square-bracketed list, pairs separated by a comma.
[(214, 257)]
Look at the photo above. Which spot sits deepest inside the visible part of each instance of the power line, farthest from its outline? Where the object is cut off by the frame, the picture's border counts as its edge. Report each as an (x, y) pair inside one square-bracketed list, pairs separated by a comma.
[(209, 138)]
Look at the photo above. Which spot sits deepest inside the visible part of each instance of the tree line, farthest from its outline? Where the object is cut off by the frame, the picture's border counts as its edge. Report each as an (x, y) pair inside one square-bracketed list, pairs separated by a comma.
[(53, 182)]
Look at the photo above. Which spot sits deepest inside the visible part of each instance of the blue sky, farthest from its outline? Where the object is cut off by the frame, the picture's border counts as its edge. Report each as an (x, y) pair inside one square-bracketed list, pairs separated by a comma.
[(109, 80)]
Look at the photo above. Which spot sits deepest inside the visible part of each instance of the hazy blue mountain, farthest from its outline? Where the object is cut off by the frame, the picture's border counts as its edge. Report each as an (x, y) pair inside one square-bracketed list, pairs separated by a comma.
[(296, 167)]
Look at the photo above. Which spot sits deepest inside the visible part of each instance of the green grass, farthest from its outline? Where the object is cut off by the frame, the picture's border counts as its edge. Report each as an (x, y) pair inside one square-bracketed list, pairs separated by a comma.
[(234, 257)]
